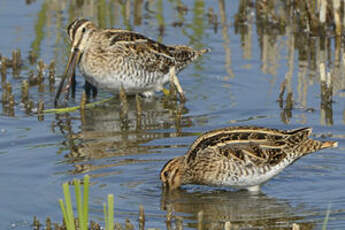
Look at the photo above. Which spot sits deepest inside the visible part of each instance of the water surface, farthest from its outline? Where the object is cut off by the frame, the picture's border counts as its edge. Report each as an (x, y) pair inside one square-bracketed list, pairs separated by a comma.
[(238, 83)]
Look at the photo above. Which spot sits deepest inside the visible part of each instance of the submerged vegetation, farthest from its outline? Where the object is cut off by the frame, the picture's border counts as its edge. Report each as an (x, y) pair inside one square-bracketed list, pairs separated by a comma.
[(81, 221)]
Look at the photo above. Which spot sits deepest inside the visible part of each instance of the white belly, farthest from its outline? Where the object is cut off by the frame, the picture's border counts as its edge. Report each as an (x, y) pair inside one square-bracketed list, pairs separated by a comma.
[(255, 177), (133, 80)]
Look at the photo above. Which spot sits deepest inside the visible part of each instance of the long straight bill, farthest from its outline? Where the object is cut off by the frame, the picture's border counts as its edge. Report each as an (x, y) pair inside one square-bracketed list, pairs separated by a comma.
[(71, 65)]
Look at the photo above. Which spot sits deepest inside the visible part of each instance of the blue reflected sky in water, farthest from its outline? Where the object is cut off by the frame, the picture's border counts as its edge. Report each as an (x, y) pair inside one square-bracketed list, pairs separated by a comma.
[(33, 153)]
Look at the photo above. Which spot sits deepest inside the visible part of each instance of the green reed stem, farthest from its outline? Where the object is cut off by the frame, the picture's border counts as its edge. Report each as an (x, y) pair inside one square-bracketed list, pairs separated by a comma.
[(69, 209), (111, 211), (105, 216), (86, 200), (74, 108), (79, 204), (64, 213), (325, 222)]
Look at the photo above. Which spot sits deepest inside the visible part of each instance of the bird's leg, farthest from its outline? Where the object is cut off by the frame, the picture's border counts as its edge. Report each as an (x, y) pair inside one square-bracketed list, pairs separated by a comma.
[(139, 111), (94, 91), (88, 88), (123, 109), (172, 87), (174, 81)]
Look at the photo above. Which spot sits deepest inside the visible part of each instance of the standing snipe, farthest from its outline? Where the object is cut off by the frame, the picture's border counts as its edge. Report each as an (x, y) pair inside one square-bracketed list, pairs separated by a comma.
[(243, 157), (114, 58)]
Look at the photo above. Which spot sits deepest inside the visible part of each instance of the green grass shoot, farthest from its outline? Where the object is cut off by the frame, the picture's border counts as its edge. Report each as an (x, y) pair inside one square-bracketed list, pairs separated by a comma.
[(82, 206), (105, 216), (325, 221), (68, 213), (74, 108), (86, 200), (109, 214)]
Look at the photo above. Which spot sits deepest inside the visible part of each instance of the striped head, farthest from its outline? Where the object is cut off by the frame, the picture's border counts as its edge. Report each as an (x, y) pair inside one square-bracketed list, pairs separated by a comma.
[(79, 32), (172, 173)]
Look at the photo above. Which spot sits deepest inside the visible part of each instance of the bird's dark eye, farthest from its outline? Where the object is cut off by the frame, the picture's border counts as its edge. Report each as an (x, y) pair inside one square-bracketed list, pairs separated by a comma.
[(166, 174), (83, 30)]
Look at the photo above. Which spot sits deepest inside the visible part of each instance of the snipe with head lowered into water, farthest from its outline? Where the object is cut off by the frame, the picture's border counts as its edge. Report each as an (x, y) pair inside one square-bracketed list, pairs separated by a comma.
[(242, 157), (115, 58)]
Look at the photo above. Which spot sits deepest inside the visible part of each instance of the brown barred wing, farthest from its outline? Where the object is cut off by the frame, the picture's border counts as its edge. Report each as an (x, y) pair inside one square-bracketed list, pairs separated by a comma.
[(184, 55), (253, 154), (144, 55), (268, 138)]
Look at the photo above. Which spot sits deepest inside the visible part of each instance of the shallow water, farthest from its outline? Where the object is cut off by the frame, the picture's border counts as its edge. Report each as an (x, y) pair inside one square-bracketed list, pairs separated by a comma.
[(238, 83)]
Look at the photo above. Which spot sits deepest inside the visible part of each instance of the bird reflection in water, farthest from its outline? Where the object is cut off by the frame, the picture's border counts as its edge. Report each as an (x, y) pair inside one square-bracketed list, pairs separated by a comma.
[(103, 133), (243, 209)]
